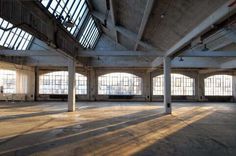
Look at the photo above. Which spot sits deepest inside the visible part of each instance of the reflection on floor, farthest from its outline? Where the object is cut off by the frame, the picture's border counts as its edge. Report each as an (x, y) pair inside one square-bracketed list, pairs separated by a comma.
[(112, 128)]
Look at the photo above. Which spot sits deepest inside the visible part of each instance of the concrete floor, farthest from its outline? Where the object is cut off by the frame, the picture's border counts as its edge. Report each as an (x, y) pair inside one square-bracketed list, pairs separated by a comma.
[(110, 128)]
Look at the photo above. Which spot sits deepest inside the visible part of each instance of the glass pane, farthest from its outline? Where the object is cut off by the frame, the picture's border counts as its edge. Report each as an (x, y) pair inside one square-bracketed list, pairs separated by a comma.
[(57, 83), (12, 38), (119, 84)]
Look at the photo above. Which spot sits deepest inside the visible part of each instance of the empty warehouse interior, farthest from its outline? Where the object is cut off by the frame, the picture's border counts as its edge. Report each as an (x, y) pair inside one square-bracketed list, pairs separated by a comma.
[(118, 77)]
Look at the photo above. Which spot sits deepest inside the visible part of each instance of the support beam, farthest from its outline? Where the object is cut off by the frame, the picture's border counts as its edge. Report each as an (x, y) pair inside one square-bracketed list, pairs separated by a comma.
[(71, 85), (146, 15), (32, 17), (167, 84), (125, 32), (94, 53), (154, 64), (215, 17), (113, 18), (15, 60), (208, 54), (117, 53), (28, 53), (84, 53), (231, 34)]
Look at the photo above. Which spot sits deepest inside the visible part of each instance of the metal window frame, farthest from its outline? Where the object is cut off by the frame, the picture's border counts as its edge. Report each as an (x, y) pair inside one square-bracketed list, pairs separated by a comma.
[(87, 38), (53, 87)]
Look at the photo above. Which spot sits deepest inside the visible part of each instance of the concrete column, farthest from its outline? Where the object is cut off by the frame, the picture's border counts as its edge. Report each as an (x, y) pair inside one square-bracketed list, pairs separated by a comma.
[(36, 89), (147, 86), (196, 87), (234, 87), (167, 84), (201, 87), (71, 85), (92, 84)]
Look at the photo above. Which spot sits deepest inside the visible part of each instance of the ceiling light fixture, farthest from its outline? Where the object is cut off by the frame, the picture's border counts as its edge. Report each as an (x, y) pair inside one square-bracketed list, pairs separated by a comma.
[(205, 48), (181, 59), (163, 15)]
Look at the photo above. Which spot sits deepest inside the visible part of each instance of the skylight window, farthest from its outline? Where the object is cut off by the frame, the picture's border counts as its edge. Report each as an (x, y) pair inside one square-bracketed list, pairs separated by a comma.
[(76, 13), (15, 38)]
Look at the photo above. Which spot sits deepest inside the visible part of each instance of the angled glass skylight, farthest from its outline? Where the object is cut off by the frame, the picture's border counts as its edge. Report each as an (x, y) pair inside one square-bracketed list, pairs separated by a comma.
[(76, 13), (15, 38)]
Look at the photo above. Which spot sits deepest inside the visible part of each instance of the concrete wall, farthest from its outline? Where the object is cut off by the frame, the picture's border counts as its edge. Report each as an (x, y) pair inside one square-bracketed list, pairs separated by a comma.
[(198, 75)]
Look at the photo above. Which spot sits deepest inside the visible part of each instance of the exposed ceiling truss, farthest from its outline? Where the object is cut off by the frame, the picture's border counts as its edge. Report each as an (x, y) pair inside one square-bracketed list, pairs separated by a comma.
[(215, 50)]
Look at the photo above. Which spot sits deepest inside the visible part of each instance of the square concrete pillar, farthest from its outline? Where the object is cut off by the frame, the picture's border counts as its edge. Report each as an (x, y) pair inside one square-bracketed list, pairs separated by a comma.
[(71, 85), (167, 84), (234, 86)]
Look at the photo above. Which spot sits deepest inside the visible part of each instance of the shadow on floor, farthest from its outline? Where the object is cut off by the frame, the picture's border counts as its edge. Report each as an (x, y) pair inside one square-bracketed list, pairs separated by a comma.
[(61, 136), (36, 114), (209, 136), (97, 135)]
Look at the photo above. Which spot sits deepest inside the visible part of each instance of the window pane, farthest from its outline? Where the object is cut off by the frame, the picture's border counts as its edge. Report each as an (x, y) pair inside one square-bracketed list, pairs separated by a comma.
[(180, 85), (218, 85), (57, 83), (8, 81), (119, 84), (75, 11), (13, 38)]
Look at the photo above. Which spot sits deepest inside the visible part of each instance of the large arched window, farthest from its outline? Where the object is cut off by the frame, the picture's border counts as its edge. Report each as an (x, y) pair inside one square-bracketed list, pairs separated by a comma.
[(8, 81), (181, 85), (218, 85), (57, 83), (119, 84)]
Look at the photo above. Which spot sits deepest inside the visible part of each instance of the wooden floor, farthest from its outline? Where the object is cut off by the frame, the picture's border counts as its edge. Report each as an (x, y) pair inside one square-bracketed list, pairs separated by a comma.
[(113, 128)]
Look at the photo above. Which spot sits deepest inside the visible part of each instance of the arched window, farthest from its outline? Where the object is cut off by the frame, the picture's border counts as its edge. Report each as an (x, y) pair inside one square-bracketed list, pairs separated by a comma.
[(218, 85), (119, 84), (8, 81), (181, 85), (57, 83)]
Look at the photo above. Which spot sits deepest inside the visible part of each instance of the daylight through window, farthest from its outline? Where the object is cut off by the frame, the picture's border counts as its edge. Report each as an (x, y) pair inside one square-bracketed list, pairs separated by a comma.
[(15, 38), (57, 83), (8, 81), (119, 84), (180, 85), (218, 85), (81, 23)]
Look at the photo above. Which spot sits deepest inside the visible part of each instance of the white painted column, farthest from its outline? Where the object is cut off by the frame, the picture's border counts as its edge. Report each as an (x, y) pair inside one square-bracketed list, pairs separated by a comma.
[(71, 85), (234, 86), (92, 85), (148, 87), (167, 84), (36, 83)]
